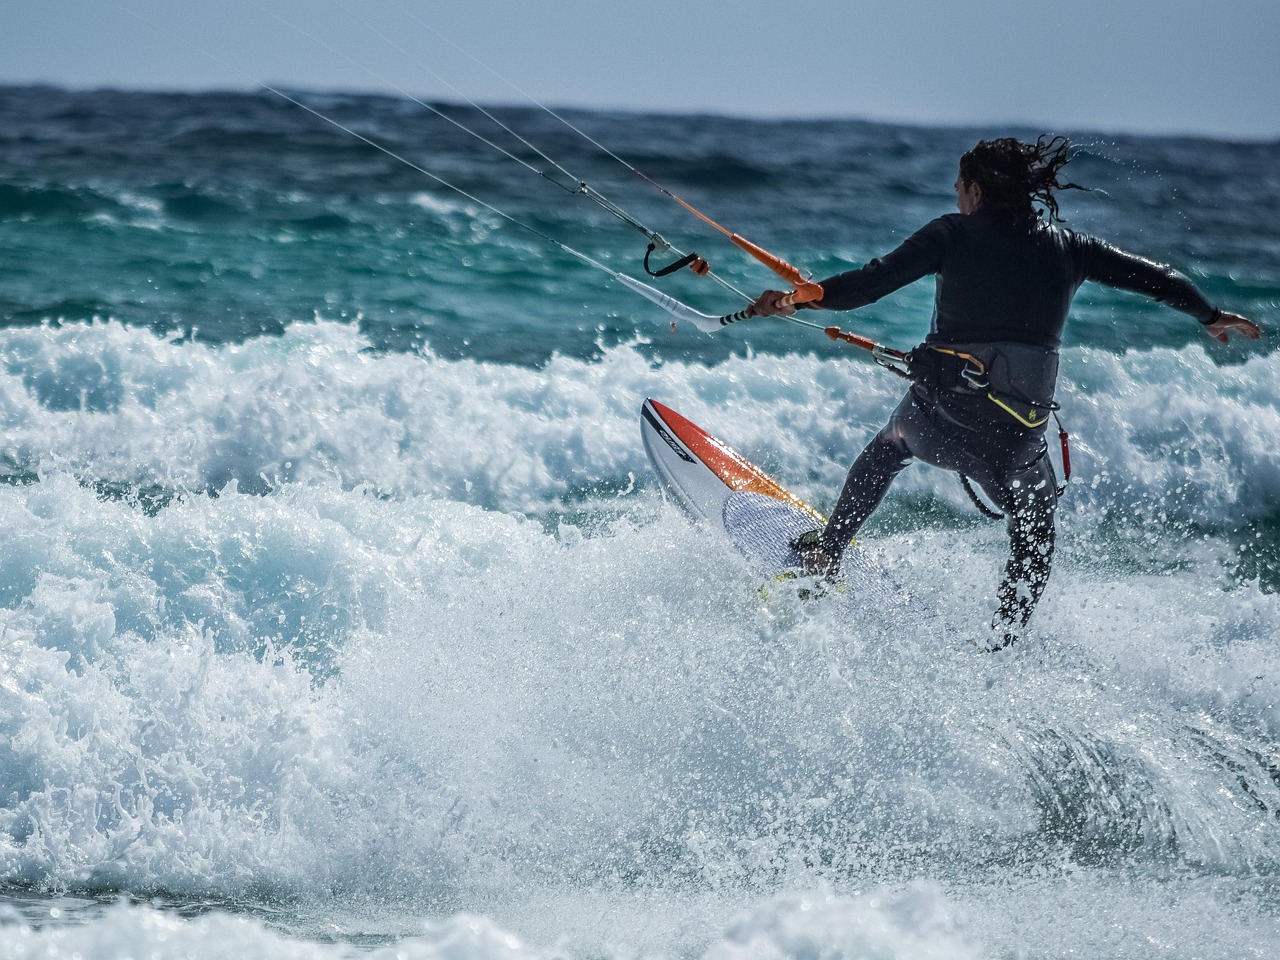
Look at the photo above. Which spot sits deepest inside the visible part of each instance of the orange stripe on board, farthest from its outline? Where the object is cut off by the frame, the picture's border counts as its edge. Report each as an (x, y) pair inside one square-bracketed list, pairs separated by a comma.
[(736, 471)]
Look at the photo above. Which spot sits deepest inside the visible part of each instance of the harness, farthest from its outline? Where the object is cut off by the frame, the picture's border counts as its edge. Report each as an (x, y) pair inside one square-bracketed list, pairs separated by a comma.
[(1018, 378)]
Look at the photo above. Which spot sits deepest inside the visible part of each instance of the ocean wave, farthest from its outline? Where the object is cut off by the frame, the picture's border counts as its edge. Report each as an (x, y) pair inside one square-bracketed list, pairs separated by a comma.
[(187, 202), (300, 696), (319, 222), (51, 202), (67, 310), (266, 139), (318, 691), (1165, 434), (1129, 918), (127, 930), (711, 170)]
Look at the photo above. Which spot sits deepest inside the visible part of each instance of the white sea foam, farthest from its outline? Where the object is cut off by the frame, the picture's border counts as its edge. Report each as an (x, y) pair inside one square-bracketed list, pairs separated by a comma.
[(125, 931), (1080, 912), (321, 690), (406, 652), (1165, 431)]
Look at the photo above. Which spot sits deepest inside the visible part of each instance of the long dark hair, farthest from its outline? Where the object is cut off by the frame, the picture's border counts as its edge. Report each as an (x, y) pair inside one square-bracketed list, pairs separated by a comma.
[(1015, 176)]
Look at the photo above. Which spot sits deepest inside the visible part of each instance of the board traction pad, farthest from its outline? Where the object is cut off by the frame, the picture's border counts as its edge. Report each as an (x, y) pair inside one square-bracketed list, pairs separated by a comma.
[(762, 528)]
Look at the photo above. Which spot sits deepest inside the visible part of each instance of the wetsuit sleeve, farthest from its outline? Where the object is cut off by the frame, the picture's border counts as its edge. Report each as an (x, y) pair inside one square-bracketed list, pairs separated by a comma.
[(1109, 265), (920, 255)]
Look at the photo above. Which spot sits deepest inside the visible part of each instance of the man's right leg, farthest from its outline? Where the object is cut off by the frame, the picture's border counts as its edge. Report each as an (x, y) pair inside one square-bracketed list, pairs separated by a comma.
[(1030, 506)]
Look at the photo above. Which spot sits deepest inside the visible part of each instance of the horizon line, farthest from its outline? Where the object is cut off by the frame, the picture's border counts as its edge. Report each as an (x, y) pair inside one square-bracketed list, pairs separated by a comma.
[(799, 116)]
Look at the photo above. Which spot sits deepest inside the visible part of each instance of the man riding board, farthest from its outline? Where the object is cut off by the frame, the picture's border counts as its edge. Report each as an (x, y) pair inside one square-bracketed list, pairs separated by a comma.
[(983, 380)]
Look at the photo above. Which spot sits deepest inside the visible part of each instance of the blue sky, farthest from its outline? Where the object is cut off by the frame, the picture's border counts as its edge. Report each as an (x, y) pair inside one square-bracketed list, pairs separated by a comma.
[(1149, 66)]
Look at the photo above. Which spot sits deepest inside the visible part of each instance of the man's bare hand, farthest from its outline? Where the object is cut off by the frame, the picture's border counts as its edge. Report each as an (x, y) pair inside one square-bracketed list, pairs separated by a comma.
[(1233, 323), (766, 305)]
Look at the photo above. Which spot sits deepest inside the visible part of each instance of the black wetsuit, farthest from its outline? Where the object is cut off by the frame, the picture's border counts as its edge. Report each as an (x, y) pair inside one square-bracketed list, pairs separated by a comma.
[(1004, 292)]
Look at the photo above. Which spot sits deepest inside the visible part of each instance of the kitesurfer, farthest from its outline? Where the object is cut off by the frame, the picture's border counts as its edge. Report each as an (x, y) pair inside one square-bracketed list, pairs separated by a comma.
[(984, 377)]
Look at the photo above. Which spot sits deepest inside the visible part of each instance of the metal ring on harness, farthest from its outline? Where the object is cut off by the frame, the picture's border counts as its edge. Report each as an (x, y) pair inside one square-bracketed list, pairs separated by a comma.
[(945, 369)]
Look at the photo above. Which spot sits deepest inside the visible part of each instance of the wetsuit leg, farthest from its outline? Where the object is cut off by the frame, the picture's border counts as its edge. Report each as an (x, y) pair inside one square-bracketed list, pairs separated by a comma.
[(1010, 464), (868, 481), (1030, 501)]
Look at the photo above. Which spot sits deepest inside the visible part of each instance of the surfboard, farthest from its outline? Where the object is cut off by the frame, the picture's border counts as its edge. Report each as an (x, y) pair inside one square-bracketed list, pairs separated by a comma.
[(719, 487)]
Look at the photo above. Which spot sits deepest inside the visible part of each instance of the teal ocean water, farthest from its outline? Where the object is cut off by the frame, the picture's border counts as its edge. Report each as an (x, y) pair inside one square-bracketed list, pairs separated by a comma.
[(342, 615)]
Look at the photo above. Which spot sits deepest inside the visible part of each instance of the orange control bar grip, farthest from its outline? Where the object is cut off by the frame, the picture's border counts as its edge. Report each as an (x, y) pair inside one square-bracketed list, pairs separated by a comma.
[(811, 291), (776, 264)]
